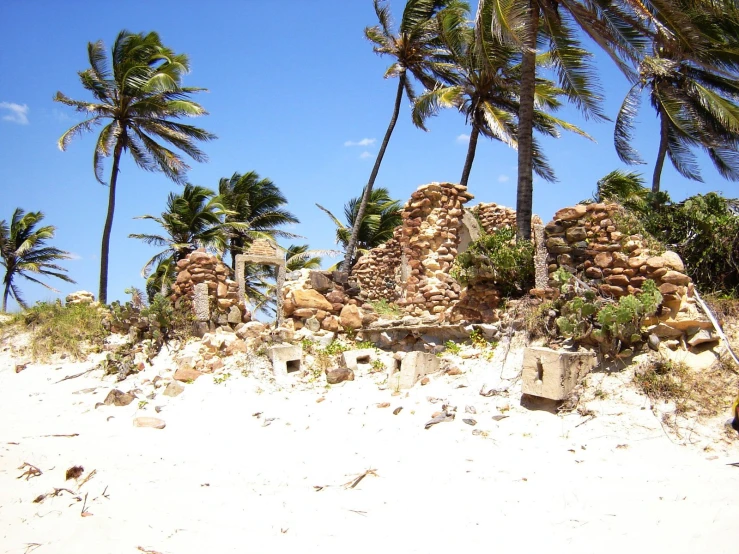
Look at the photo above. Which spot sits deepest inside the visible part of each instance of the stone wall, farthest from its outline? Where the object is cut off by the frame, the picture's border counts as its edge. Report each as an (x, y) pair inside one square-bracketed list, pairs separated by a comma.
[(219, 301), (493, 216), (587, 240), (379, 274)]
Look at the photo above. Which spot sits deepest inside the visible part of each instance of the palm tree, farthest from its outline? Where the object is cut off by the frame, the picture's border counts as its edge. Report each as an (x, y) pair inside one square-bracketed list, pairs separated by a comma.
[(484, 88), (24, 252), (379, 221), (255, 205), (300, 256), (162, 278), (415, 49), (693, 92), (614, 26), (192, 220), (142, 98)]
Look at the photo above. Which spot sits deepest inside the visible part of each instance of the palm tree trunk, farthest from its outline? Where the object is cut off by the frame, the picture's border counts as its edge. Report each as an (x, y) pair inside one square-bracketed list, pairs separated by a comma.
[(524, 197), (347, 266), (5, 296), (661, 153), (105, 247), (470, 155)]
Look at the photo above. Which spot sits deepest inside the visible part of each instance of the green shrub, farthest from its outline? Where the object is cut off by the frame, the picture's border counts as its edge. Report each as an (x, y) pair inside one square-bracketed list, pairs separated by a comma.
[(74, 330), (388, 309), (500, 259), (614, 326)]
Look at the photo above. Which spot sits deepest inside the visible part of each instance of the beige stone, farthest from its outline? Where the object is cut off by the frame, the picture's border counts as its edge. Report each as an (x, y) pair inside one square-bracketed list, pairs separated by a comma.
[(603, 259), (351, 317), (568, 214), (675, 278), (186, 374), (311, 299)]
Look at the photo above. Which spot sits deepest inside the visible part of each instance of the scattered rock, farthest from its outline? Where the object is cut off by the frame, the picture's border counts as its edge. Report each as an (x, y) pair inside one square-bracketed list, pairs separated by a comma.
[(339, 375), (397, 410), (151, 422), (186, 374), (383, 405), (470, 421), (118, 398), (173, 389)]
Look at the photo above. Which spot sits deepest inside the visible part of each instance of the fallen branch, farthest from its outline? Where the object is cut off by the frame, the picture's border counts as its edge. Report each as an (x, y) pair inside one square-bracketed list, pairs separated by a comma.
[(86, 479), (31, 471), (64, 436), (716, 325), (77, 375), (355, 482), (56, 492)]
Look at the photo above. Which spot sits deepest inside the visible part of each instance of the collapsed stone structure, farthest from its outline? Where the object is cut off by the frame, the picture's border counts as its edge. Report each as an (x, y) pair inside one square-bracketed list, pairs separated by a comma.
[(591, 242), (205, 282)]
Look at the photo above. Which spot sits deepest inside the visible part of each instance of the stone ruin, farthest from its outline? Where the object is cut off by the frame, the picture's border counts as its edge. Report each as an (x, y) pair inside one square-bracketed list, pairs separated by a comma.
[(205, 281)]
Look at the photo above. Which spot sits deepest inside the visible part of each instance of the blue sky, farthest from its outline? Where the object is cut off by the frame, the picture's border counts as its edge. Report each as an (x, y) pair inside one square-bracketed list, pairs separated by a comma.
[(295, 93)]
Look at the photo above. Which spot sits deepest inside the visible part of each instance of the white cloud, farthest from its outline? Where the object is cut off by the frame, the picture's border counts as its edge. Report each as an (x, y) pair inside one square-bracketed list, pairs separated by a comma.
[(463, 138), (364, 155), (503, 178), (18, 113), (363, 142)]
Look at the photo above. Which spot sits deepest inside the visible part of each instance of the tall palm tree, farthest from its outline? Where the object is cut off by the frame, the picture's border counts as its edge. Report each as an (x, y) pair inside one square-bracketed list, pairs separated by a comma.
[(192, 220), (378, 223), (415, 49), (139, 97), (484, 88), (23, 252), (616, 26), (255, 205), (694, 92)]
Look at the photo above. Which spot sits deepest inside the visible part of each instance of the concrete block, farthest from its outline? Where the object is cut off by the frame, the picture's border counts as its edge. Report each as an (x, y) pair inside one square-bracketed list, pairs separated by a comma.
[(413, 367), (553, 374), (285, 358), (351, 358), (201, 302)]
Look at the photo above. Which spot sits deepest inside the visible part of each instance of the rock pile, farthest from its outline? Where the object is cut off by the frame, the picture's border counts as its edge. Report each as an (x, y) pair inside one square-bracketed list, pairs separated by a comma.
[(315, 300), (205, 281), (493, 216), (80, 297)]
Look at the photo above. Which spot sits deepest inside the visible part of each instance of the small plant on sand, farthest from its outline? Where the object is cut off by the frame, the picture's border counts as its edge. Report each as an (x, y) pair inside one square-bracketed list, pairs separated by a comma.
[(477, 340), (142, 404), (387, 309), (72, 330), (452, 347), (377, 366), (364, 344), (307, 345), (221, 378)]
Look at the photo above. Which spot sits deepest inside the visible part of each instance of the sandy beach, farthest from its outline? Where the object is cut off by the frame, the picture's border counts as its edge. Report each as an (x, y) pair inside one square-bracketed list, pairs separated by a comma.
[(249, 465)]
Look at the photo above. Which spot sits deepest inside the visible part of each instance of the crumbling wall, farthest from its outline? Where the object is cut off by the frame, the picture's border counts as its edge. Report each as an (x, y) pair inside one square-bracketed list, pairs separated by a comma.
[(589, 241), (493, 216), (220, 303), (379, 274)]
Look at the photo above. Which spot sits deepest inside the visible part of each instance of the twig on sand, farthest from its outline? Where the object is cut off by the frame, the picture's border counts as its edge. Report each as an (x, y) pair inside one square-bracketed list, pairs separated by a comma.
[(56, 492), (31, 546), (77, 375), (354, 482), (590, 418), (84, 512), (31, 471), (360, 512), (147, 551), (63, 436), (86, 479)]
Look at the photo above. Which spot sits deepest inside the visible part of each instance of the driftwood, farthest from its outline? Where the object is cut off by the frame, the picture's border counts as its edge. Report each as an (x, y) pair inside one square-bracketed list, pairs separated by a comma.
[(716, 325), (354, 482), (31, 471), (77, 375)]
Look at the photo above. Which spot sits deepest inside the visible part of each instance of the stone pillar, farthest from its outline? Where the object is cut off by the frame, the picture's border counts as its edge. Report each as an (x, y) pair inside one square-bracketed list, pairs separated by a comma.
[(540, 258), (201, 302)]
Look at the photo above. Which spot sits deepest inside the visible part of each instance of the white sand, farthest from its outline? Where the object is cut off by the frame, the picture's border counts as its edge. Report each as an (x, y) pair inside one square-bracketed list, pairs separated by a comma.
[(217, 480)]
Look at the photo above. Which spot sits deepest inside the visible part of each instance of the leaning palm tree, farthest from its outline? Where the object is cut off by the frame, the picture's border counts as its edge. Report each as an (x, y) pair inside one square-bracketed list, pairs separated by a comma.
[(23, 252), (377, 225), (415, 49), (694, 93), (192, 220), (484, 88), (256, 206), (616, 26), (139, 97)]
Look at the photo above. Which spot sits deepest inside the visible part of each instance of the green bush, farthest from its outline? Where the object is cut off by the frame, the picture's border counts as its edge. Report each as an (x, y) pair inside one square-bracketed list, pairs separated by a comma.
[(614, 326), (500, 259), (74, 330)]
